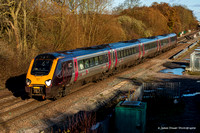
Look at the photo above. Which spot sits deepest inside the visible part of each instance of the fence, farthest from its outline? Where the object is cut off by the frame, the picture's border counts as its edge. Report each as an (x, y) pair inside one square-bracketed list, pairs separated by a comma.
[(184, 50), (167, 89)]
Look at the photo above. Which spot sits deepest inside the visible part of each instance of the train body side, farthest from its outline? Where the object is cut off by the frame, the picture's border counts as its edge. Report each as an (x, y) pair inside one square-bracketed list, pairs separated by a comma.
[(88, 64)]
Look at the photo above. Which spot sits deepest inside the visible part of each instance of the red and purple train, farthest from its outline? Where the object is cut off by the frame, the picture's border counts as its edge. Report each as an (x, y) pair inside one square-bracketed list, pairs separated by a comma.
[(53, 75)]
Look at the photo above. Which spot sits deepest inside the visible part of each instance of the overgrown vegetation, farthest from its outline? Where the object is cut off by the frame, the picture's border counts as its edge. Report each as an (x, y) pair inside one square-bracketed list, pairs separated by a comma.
[(29, 27), (193, 73)]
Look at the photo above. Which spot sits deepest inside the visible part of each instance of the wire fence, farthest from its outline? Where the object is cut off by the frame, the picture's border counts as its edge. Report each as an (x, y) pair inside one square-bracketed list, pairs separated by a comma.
[(168, 90)]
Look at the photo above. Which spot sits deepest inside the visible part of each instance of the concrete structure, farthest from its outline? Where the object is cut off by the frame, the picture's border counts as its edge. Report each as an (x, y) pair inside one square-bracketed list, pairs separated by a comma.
[(195, 61)]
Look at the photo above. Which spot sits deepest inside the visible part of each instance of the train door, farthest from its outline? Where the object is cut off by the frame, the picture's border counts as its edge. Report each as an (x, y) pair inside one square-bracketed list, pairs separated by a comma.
[(67, 71), (158, 45), (140, 51), (143, 52), (75, 69), (109, 59), (169, 41), (112, 58), (116, 58)]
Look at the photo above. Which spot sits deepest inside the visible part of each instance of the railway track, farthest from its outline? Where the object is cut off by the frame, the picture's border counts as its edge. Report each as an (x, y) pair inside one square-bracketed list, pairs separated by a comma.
[(14, 108), (12, 114), (5, 93), (10, 103)]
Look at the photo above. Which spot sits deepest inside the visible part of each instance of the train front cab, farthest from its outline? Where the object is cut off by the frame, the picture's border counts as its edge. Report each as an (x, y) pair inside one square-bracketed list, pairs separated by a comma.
[(46, 74), (39, 75)]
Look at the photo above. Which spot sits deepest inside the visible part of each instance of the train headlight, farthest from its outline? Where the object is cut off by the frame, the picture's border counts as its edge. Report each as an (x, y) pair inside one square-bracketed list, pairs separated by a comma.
[(48, 82), (28, 81)]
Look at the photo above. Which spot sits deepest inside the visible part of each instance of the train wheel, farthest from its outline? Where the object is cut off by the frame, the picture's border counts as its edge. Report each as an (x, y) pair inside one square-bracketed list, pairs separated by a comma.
[(64, 93), (59, 95), (101, 77)]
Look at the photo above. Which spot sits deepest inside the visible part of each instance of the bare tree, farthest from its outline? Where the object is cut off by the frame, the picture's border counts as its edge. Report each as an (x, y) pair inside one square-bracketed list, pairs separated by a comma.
[(126, 5), (131, 3), (11, 9)]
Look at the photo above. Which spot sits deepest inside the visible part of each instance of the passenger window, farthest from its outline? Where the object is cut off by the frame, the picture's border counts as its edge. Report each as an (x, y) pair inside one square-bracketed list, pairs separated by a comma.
[(86, 61), (118, 54), (106, 58), (124, 53), (130, 52), (96, 59), (91, 62), (100, 59), (81, 65), (70, 65), (59, 67), (146, 46), (137, 49), (127, 52), (152, 45), (174, 39), (149, 45), (161, 42), (133, 51)]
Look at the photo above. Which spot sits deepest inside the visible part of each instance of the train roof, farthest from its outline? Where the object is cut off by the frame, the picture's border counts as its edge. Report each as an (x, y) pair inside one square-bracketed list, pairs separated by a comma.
[(48, 56), (148, 39), (134, 42), (102, 48), (88, 50), (78, 51), (166, 36), (124, 44)]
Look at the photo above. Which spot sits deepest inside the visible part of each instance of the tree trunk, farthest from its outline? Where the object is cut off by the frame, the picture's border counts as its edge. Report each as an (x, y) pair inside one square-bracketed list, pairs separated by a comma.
[(25, 29), (15, 26)]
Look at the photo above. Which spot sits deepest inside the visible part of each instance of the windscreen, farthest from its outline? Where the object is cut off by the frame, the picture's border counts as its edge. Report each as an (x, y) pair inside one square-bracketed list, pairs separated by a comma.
[(41, 66)]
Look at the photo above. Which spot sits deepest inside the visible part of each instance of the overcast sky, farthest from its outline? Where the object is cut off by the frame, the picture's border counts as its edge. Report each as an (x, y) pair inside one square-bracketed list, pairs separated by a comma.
[(193, 5)]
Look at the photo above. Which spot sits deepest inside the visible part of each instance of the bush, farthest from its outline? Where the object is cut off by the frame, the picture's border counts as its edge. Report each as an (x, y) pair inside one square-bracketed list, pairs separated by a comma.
[(133, 28)]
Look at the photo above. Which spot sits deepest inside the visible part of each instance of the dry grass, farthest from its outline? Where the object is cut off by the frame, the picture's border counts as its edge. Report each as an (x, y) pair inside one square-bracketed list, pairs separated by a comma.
[(12, 64), (193, 73)]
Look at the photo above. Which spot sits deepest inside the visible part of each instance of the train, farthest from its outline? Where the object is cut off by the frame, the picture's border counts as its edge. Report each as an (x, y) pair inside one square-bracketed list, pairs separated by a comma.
[(54, 75)]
